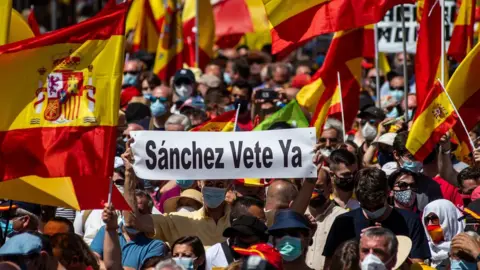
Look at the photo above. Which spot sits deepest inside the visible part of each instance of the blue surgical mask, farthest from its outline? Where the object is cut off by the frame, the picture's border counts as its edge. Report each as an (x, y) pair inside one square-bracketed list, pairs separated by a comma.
[(213, 197), (413, 166), (158, 108), (184, 184), (186, 262), (375, 214), (397, 94), (129, 79), (462, 265), (290, 247), (230, 107), (227, 78), (393, 113), (410, 114), (147, 96)]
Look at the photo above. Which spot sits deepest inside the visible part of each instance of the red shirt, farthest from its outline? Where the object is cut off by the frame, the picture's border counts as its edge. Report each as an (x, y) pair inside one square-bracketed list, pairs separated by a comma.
[(449, 191)]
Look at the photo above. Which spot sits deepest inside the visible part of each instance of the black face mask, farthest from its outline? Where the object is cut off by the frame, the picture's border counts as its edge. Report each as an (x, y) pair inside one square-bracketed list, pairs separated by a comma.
[(242, 103), (346, 184), (385, 157), (318, 201)]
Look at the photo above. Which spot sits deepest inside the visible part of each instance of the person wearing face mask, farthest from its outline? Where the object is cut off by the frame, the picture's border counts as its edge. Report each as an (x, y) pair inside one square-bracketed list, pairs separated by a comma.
[(190, 200), (240, 96), (130, 72), (291, 236), (465, 252), (378, 249), (343, 167), (428, 189), (331, 136), (121, 246), (441, 223), (397, 90), (403, 188), (372, 192), (188, 251), (208, 222), (381, 147), (370, 119), (159, 106), (184, 86)]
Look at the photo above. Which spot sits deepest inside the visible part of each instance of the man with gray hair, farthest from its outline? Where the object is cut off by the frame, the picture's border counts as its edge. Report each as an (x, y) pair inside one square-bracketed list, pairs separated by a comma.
[(331, 136), (378, 249), (177, 122)]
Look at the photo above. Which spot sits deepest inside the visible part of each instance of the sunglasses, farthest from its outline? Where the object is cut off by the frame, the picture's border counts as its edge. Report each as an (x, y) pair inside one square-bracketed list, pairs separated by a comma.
[(433, 219), (371, 121), (161, 99), (130, 72), (331, 140), (398, 88), (405, 186)]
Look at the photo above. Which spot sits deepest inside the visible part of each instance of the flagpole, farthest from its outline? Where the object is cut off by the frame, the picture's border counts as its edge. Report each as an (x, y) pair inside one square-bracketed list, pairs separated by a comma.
[(472, 144), (377, 66), (236, 118), (5, 22), (341, 105), (405, 75), (442, 36), (197, 34), (53, 15), (110, 187)]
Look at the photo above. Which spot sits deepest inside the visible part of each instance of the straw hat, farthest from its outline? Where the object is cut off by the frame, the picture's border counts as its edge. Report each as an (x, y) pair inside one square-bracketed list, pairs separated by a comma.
[(170, 205), (404, 247)]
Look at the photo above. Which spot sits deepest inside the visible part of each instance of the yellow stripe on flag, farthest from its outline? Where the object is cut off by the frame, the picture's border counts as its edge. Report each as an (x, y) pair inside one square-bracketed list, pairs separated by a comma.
[(310, 94), (280, 10), (464, 13), (258, 16), (5, 13), (206, 23)]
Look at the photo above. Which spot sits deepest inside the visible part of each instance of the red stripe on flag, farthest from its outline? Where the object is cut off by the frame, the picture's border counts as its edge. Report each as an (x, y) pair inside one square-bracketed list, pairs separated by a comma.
[(57, 152)]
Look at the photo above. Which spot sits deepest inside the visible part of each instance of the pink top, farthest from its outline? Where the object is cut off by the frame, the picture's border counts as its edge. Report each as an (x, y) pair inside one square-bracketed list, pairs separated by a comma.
[(476, 194), (449, 192), (174, 192)]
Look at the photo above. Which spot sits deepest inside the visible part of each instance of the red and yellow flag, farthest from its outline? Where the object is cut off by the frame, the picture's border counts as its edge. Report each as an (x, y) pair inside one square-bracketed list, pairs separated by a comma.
[(32, 22), (345, 56), (463, 33), (59, 114), (434, 119), (223, 122), (169, 56), (145, 18), (293, 22), (206, 32), (428, 55)]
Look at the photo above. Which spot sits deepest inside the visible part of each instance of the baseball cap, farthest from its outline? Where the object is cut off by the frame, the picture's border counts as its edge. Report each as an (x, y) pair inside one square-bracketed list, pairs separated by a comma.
[(209, 80), (365, 101), (472, 212), (390, 167), (22, 244), (247, 226), (266, 253), (386, 138), (372, 112), (251, 182), (288, 219), (184, 75)]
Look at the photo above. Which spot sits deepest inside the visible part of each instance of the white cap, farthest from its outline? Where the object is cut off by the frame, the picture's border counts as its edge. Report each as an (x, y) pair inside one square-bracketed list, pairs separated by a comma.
[(386, 138), (390, 167)]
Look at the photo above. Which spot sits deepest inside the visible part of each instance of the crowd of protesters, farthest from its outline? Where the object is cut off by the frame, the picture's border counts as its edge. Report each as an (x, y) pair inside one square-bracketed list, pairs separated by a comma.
[(372, 206)]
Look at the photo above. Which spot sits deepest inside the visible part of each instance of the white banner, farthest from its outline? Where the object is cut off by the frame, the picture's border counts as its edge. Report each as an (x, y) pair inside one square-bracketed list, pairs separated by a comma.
[(162, 155), (390, 28)]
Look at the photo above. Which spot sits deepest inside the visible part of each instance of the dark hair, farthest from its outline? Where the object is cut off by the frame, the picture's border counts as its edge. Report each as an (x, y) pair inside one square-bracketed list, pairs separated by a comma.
[(65, 221), (243, 84), (372, 186), (120, 170), (389, 237), (346, 256), (240, 66), (341, 156), (215, 96), (468, 173), (136, 111), (400, 172), (399, 143), (72, 246), (152, 261), (196, 245), (152, 79), (241, 204)]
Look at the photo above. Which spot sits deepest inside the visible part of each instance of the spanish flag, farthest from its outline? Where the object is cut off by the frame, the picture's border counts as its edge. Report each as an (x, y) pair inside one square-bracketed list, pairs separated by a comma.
[(32, 22), (169, 55), (17, 29), (293, 22), (427, 59), (206, 32), (345, 56), (463, 33), (435, 118), (223, 122), (59, 114), (146, 26)]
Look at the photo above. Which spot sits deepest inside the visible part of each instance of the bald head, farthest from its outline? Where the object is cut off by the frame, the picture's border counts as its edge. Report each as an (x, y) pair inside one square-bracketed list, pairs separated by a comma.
[(279, 195)]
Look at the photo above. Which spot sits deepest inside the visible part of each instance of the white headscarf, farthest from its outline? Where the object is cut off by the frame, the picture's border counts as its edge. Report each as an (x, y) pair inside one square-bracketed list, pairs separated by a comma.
[(448, 216)]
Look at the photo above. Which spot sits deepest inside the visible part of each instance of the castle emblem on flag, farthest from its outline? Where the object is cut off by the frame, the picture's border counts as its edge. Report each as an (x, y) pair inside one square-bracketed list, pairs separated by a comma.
[(66, 93), (439, 112)]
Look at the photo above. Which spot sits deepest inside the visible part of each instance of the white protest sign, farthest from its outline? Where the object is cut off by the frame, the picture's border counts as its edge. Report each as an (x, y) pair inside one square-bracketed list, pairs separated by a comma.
[(163, 155), (390, 28)]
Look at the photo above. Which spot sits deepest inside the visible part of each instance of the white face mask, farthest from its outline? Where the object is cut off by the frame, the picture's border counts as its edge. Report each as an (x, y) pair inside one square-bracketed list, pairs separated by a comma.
[(185, 209), (372, 262), (184, 91), (369, 132), (325, 152)]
